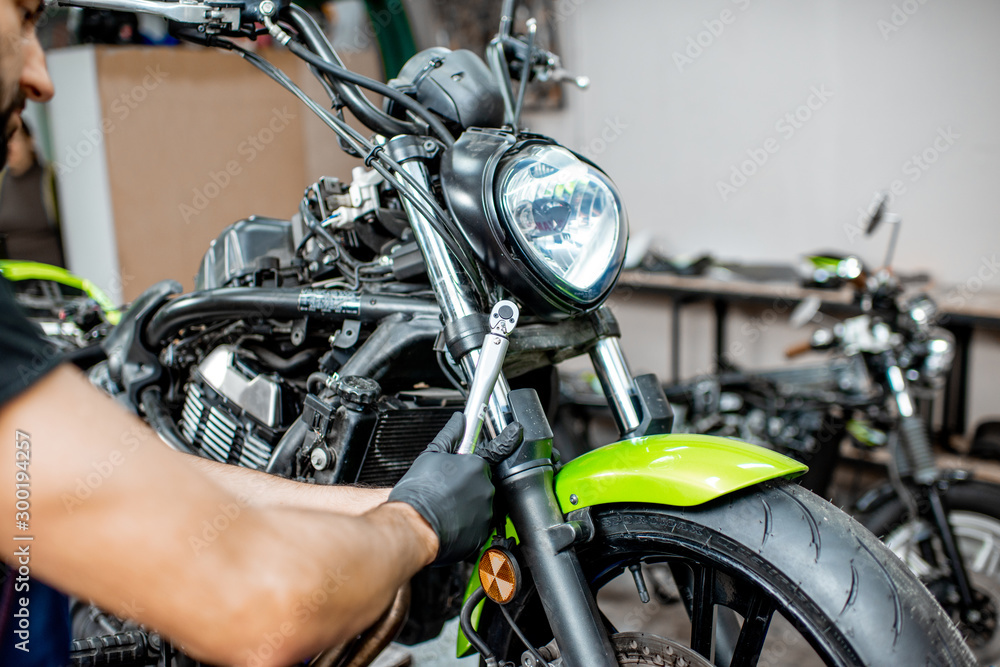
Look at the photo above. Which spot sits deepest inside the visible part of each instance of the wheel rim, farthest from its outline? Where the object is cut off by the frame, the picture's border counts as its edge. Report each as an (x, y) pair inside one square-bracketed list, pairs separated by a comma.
[(711, 624), (978, 538), (717, 583)]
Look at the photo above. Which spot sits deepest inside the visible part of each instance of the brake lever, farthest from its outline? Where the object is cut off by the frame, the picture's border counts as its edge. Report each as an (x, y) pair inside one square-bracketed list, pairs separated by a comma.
[(544, 66), (503, 319)]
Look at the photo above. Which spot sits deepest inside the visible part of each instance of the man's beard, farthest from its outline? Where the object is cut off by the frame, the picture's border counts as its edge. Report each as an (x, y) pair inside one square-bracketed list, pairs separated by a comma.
[(9, 124)]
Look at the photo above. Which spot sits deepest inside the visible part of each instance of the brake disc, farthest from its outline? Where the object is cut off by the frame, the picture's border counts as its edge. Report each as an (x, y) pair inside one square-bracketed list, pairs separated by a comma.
[(637, 648)]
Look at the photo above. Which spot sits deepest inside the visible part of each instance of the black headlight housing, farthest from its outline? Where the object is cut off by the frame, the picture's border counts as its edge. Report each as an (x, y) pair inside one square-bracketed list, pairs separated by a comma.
[(545, 223)]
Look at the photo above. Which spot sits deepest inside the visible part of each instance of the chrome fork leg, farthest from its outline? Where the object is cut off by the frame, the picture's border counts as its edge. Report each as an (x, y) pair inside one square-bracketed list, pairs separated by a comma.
[(452, 287), (616, 380)]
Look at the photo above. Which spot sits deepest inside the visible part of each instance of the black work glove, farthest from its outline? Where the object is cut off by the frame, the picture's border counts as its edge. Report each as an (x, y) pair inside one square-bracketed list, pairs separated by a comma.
[(453, 492)]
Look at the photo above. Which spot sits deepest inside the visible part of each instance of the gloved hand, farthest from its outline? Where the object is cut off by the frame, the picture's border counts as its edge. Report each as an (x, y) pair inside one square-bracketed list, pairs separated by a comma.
[(453, 492)]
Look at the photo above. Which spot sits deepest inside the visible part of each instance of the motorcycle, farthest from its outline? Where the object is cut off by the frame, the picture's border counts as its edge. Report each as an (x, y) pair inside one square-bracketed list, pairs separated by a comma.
[(74, 314), (943, 524), (466, 258)]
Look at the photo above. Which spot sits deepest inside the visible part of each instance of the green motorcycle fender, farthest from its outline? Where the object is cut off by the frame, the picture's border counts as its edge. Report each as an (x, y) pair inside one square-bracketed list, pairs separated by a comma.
[(680, 470)]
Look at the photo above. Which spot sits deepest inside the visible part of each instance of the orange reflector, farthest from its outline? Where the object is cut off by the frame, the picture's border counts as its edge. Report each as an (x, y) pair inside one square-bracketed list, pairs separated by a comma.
[(499, 575)]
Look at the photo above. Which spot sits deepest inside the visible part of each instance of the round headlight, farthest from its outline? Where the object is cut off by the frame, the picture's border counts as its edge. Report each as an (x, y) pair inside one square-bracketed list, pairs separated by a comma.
[(566, 218)]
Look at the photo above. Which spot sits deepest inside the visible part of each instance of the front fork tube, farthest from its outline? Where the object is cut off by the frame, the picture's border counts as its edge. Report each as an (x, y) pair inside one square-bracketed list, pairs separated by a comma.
[(956, 563), (453, 289), (525, 480), (525, 483), (917, 449), (615, 377)]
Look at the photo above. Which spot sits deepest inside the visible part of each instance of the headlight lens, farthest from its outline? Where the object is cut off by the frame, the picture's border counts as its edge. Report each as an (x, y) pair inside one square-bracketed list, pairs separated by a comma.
[(566, 217)]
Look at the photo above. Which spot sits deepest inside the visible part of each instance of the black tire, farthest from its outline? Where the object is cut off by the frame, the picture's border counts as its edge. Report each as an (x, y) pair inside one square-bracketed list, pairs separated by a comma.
[(775, 545), (974, 514)]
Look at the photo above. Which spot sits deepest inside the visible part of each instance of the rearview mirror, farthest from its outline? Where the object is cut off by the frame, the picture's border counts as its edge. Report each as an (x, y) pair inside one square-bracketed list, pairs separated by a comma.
[(879, 214)]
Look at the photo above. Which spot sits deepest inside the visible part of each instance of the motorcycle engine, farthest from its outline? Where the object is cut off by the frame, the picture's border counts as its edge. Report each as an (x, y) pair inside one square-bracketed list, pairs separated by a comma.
[(232, 413)]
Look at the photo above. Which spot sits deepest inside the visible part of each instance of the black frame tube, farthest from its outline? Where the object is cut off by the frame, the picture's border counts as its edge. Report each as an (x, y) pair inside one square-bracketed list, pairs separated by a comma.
[(276, 303)]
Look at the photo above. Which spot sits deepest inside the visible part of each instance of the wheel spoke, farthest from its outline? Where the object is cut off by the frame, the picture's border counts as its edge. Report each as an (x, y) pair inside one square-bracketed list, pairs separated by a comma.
[(703, 611), (984, 552), (754, 632)]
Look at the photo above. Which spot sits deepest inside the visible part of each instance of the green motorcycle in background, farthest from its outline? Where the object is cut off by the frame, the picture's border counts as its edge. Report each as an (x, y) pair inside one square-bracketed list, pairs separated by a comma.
[(72, 311)]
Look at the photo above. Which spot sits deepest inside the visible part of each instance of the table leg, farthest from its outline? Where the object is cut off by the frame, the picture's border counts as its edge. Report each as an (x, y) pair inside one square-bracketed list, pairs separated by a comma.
[(721, 313), (675, 340)]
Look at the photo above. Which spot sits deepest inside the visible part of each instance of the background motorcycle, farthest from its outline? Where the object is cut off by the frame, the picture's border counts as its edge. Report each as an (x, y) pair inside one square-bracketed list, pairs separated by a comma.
[(331, 347), (944, 524), (74, 314)]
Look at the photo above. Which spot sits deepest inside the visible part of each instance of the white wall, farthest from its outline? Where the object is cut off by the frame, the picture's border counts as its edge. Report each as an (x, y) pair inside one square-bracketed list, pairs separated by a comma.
[(896, 74), (82, 175), (684, 126)]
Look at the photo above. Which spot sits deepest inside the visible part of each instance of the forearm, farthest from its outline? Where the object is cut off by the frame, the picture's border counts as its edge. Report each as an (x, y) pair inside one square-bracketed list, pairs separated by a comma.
[(259, 489), (325, 585)]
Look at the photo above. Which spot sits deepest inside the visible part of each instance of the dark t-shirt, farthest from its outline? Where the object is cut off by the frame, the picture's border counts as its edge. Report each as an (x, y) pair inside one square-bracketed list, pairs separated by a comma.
[(24, 358), (24, 355)]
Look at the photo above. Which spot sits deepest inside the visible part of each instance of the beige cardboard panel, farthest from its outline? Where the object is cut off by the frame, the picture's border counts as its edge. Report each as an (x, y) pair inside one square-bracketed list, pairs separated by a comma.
[(195, 139)]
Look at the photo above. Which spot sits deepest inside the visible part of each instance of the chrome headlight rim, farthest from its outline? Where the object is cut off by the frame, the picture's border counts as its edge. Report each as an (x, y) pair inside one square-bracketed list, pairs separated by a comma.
[(469, 176), (573, 296)]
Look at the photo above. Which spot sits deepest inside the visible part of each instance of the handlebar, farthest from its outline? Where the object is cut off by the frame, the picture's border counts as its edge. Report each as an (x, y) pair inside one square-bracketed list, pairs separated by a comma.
[(224, 17), (216, 16), (351, 95)]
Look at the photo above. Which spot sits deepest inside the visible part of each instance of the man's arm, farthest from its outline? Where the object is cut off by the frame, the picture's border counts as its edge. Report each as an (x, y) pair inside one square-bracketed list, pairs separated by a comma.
[(252, 487), (120, 520)]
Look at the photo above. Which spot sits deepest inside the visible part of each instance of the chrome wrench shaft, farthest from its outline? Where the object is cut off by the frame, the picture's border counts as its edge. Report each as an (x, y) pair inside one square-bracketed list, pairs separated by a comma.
[(503, 319)]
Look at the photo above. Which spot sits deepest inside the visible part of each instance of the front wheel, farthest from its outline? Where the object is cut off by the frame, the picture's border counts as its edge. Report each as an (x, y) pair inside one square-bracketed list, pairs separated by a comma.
[(778, 556)]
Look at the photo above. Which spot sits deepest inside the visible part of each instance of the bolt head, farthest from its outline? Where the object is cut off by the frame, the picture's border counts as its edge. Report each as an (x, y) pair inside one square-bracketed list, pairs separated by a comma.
[(319, 458), (573, 499), (267, 7)]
